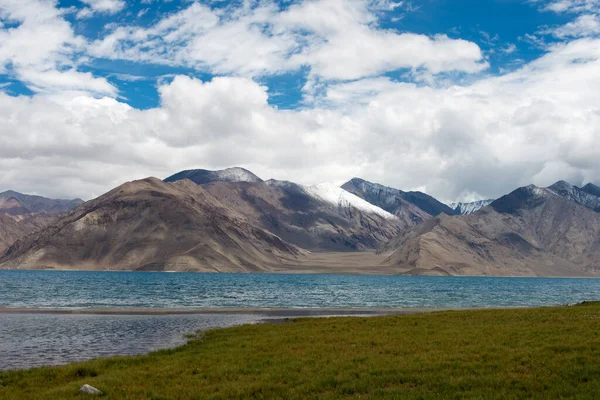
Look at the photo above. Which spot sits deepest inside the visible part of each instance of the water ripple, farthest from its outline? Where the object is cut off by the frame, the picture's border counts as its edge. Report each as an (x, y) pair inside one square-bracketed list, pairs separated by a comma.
[(71, 289)]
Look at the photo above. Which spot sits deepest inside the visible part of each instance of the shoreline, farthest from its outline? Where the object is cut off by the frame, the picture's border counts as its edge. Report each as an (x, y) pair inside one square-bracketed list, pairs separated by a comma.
[(265, 312), (300, 271)]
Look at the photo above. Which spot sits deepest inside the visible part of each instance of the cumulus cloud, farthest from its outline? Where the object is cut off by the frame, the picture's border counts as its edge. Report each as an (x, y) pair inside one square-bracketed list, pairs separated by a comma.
[(38, 48), (583, 25), (534, 124), (571, 6), (336, 39), (100, 6)]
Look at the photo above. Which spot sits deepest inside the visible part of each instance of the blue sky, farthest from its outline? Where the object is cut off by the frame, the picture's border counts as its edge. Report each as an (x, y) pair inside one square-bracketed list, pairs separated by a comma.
[(462, 99)]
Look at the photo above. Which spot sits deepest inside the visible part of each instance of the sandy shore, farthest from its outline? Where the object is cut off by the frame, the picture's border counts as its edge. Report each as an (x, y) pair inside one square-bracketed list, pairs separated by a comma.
[(267, 312)]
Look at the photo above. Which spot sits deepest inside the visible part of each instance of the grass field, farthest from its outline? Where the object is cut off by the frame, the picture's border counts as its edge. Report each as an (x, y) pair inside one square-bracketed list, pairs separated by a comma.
[(547, 353)]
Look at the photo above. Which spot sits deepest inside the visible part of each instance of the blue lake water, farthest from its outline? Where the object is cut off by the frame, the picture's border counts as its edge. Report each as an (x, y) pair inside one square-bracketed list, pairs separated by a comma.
[(30, 340), (75, 289), (70, 289)]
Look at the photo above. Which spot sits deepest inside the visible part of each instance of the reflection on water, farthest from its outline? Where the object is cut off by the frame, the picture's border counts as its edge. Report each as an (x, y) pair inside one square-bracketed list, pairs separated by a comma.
[(31, 340)]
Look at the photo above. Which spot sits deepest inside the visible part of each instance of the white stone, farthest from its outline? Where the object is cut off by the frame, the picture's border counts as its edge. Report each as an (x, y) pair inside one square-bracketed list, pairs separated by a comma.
[(87, 389)]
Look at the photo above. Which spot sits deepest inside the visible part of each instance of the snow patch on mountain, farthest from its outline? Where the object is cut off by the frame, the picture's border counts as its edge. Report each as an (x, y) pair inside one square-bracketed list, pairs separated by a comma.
[(540, 191), (203, 176), (337, 196), (470, 207), (236, 174)]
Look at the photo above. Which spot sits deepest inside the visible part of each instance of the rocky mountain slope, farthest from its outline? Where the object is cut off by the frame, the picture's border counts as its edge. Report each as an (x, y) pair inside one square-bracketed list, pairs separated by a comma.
[(577, 195), (592, 189), (152, 225), (530, 232), (411, 208), (392, 200), (10, 231), (318, 218)]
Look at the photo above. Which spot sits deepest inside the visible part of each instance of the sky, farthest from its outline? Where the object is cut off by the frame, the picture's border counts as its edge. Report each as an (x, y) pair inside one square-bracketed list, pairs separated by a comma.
[(464, 99)]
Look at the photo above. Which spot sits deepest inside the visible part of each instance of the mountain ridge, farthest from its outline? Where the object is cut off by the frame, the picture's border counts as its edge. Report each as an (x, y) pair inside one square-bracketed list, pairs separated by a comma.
[(390, 198), (235, 221)]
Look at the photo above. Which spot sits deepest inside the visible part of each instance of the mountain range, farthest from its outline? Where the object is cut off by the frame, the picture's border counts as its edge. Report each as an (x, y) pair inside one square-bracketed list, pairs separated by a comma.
[(232, 220)]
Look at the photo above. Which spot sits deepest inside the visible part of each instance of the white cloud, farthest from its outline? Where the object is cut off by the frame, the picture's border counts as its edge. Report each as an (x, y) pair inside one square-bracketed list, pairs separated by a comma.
[(509, 48), (231, 41), (39, 49), (572, 6), (535, 124), (100, 6), (337, 39), (583, 25), (52, 81)]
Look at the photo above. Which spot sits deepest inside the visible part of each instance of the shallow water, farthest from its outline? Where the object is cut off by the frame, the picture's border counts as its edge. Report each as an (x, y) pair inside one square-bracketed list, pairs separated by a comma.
[(35, 340)]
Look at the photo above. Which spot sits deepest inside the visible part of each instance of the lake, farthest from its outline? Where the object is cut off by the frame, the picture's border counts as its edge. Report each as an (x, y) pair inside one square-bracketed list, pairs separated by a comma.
[(35, 339), (82, 289)]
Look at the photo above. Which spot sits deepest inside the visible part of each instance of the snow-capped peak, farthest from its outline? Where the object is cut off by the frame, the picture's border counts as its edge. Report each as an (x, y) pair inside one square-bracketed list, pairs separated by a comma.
[(335, 195), (204, 176), (236, 174), (470, 207)]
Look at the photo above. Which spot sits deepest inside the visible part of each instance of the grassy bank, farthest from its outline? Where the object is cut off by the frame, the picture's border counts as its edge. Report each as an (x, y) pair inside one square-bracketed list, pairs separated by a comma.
[(531, 353)]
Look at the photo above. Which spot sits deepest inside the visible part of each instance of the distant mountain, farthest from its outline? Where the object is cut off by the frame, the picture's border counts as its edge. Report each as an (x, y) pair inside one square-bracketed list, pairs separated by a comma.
[(531, 231), (13, 228), (22, 214), (470, 207), (410, 207), (15, 203), (203, 176), (152, 225)]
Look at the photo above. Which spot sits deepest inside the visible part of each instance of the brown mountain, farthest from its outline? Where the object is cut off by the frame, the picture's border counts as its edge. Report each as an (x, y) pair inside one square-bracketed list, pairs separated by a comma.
[(529, 232), (150, 224), (297, 215)]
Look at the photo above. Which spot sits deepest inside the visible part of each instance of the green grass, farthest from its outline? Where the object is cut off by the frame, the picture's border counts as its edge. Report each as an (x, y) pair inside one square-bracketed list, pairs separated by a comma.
[(550, 353)]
